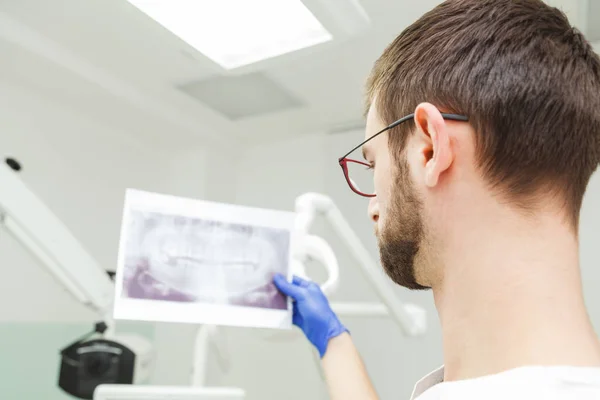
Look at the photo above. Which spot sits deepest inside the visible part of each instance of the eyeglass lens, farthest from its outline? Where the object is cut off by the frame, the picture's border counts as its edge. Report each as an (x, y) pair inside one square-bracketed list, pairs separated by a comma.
[(361, 177)]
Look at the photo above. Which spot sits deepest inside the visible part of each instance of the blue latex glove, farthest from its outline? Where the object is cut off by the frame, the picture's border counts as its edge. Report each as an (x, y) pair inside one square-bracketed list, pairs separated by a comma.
[(312, 312)]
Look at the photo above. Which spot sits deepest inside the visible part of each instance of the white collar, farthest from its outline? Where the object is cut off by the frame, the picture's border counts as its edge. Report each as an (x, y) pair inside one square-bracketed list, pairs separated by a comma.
[(427, 382)]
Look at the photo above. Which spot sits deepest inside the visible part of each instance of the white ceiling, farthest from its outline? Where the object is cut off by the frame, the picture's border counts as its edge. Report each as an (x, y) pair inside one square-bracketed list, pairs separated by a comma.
[(108, 60)]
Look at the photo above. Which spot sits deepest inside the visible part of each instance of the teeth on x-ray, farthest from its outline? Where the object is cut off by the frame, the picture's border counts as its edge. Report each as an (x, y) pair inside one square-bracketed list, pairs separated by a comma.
[(208, 261)]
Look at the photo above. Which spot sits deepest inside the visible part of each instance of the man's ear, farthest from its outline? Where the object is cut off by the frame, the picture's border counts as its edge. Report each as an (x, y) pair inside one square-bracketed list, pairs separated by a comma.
[(434, 143)]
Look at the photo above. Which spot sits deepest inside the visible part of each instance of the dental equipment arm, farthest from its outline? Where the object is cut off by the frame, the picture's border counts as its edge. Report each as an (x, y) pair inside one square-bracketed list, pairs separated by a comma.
[(41, 232), (410, 318), (343, 368), (83, 362)]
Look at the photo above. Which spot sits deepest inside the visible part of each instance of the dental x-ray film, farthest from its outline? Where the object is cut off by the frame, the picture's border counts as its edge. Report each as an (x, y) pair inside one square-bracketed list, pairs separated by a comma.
[(193, 261)]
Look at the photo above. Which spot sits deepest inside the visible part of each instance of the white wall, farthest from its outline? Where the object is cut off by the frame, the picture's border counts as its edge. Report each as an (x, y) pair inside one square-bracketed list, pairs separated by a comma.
[(590, 249), (80, 168)]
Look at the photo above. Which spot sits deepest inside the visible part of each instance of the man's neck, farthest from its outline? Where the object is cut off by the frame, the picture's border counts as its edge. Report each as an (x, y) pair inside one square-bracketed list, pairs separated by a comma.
[(512, 297)]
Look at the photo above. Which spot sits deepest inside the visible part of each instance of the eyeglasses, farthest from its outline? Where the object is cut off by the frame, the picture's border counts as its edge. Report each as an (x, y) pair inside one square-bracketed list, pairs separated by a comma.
[(359, 175)]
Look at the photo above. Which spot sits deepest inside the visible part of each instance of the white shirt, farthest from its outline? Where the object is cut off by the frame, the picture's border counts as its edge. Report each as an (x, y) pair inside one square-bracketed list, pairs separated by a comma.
[(524, 383)]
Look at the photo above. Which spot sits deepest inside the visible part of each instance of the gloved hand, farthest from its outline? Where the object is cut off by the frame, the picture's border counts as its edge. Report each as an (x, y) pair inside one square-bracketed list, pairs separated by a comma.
[(312, 312)]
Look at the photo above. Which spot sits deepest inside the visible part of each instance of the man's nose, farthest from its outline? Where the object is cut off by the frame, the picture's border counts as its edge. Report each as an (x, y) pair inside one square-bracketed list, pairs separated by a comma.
[(373, 209)]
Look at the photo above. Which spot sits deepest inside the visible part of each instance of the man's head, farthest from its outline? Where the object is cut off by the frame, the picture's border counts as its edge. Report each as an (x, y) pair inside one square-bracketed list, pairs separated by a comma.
[(529, 84)]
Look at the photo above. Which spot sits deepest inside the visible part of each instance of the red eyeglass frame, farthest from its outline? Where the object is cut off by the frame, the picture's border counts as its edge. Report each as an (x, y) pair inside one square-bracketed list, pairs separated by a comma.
[(344, 164), (344, 160)]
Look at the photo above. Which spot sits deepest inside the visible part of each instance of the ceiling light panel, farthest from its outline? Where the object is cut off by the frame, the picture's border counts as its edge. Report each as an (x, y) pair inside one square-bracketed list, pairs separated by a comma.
[(239, 97), (234, 33)]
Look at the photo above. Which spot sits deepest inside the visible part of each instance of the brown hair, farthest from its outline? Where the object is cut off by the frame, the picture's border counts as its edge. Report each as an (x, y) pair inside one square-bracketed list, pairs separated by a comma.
[(527, 80)]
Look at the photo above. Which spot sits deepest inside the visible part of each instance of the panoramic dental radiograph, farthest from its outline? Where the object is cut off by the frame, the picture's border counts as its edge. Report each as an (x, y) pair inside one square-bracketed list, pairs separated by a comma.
[(175, 258)]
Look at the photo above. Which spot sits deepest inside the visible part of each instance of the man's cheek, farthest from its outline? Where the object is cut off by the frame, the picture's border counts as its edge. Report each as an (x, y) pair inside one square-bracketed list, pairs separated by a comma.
[(381, 182), (381, 217)]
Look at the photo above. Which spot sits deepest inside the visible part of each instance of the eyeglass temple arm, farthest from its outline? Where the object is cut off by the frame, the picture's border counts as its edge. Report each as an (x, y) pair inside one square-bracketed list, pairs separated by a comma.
[(452, 117)]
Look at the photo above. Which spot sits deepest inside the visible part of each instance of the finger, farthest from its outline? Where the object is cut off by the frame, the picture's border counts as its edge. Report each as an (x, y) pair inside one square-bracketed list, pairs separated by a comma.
[(288, 288), (300, 282), (297, 317)]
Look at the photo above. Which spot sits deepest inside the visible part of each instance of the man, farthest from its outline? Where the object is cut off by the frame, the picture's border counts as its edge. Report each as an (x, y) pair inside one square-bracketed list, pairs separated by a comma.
[(477, 198)]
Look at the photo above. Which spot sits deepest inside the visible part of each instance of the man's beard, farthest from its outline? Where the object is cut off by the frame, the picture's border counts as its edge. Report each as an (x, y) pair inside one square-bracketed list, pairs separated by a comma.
[(402, 235)]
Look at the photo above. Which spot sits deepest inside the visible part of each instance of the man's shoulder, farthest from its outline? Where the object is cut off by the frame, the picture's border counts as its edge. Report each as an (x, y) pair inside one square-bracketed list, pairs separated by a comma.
[(428, 381), (549, 383)]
